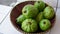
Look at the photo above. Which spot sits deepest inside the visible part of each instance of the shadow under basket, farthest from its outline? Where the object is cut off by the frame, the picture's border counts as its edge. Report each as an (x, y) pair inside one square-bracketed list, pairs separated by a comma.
[(17, 10)]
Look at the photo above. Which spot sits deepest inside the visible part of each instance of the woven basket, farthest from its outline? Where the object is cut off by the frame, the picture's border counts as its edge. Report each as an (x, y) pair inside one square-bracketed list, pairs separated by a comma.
[(17, 10)]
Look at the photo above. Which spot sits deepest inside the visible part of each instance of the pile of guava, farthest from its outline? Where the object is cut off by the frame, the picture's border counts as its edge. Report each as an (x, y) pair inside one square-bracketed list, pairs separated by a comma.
[(35, 16)]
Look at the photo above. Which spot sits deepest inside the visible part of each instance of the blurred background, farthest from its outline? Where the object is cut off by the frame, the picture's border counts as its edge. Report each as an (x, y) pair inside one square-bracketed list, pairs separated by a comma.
[(12, 2), (7, 2)]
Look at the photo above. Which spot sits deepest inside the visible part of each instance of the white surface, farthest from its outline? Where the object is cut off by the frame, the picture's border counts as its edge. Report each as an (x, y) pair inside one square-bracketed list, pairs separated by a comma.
[(56, 28), (7, 28), (53, 3), (59, 3), (3, 11)]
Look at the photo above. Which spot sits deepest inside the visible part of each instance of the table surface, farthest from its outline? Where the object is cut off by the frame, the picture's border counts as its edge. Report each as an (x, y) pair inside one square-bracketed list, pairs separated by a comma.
[(7, 28)]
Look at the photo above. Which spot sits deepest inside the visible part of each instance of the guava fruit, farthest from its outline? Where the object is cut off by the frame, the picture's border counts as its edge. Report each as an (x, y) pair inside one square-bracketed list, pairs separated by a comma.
[(39, 17), (29, 25), (44, 24), (20, 19), (29, 11), (48, 12), (40, 5)]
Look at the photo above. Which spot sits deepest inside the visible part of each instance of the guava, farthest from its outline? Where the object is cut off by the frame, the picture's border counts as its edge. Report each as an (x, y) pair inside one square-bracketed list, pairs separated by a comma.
[(45, 24), (39, 17), (29, 11), (48, 12), (40, 5), (29, 25), (20, 19)]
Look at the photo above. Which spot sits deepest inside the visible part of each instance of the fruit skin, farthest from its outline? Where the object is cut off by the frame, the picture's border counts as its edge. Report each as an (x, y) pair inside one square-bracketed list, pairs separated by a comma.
[(29, 11), (20, 19), (29, 25), (48, 12), (40, 5), (39, 17), (44, 24)]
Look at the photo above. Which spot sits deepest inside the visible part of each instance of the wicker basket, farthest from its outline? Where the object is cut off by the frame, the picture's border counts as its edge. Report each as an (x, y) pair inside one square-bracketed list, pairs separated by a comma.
[(17, 10)]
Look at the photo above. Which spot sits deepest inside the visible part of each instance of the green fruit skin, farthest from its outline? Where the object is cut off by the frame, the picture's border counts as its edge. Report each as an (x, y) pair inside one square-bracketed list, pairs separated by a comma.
[(45, 26), (48, 12), (20, 19), (39, 17), (29, 11), (40, 5), (29, 25)]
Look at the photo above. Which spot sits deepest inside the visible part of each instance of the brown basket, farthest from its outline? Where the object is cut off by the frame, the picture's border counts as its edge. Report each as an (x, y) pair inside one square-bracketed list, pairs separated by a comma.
[(17, 10)]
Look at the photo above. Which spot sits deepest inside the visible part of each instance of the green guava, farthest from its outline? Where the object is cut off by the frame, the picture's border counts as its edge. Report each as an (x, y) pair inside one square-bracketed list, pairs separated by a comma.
[(45, 24), (39, 17), (20, 19), (29, 11), (29, 25), (48, 12), (40, 5)]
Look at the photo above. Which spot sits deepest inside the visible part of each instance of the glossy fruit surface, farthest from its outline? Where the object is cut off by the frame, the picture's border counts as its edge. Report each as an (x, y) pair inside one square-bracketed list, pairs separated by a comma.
[(49, 12), (40, 5), (29, 11), (44, 24)]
